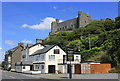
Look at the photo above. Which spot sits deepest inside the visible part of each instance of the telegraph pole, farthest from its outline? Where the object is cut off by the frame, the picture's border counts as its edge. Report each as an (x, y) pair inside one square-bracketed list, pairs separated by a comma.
[(89, 42)]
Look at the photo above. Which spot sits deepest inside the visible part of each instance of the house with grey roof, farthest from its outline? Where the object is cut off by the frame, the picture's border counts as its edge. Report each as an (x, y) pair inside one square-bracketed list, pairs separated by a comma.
[(45, 59), (12, 56)]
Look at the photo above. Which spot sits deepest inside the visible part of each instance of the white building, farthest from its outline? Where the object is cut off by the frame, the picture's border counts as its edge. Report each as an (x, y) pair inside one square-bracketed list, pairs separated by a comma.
[(46, 59)]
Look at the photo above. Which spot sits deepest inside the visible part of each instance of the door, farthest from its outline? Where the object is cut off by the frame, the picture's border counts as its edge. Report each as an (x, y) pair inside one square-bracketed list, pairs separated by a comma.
[(31, 68), (51, 68), (77, 69)]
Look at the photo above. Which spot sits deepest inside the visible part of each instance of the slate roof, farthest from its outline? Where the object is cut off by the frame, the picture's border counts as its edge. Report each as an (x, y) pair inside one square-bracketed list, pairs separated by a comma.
[(44, 50), (13, 49)]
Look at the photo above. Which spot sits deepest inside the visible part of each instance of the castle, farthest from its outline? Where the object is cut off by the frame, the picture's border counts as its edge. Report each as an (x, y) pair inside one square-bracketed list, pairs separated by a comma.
[(80, 21)]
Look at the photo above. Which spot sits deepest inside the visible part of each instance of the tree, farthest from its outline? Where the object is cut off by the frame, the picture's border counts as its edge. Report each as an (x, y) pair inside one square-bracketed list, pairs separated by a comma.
[(117, 21), (76, 44), (109, 24)]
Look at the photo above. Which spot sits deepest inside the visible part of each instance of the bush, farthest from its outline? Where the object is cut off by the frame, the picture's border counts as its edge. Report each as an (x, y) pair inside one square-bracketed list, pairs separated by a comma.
[(114, 70)]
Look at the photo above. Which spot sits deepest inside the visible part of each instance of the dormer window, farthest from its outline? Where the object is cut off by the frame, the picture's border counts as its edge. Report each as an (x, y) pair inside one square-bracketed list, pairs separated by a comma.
[(56, 51)]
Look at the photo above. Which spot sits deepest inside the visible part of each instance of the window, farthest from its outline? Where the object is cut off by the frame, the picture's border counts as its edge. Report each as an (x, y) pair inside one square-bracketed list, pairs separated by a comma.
[(56, 51), (42, 66), (51, 57), (42, 57), (23, 67), (36, 67), (37, 58), (77, 57)]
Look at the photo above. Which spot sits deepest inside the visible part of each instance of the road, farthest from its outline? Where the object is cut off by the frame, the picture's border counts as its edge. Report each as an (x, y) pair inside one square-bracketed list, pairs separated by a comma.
[(12, 76)]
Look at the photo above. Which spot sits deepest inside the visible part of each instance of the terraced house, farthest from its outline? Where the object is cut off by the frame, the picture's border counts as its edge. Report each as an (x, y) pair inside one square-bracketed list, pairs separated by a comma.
[(12, 56), (45, 59)]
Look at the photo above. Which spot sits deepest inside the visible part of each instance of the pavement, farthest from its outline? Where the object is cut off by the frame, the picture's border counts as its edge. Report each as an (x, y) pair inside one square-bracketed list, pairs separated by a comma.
[(57, 77), (77, 76)]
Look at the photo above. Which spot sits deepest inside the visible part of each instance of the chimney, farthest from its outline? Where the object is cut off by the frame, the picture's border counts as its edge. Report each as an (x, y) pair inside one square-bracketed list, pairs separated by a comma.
[(38, 41), (20, 44)]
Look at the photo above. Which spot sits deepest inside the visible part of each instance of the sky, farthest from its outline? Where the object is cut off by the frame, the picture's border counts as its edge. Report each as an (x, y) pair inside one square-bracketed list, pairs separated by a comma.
[(26, 21)]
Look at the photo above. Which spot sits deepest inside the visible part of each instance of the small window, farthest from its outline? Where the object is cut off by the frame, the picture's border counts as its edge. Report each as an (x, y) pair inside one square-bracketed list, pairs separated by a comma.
[(23, 67), (42, 66), (56, 51), (76, 57)]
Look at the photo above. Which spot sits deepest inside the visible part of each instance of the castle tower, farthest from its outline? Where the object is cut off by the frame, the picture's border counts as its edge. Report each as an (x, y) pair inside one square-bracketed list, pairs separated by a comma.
[(54, 26), (83, 19)]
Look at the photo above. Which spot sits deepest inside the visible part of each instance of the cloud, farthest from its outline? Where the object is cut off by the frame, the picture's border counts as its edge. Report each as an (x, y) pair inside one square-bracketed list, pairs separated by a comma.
[(54, 7), (26, 41), (0, 48), (10, 42), (45, 24)]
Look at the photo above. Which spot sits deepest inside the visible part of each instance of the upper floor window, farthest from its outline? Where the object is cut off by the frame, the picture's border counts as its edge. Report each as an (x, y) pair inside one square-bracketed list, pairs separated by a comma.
[(37, 58), (42, 58), (51, 57), (77, 57), (56, 51)]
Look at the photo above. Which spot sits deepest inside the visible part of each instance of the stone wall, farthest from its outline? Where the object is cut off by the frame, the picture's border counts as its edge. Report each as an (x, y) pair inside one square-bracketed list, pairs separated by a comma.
[(80, 21)]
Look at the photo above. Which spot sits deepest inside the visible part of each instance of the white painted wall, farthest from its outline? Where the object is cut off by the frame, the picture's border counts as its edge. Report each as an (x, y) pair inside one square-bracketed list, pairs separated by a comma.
[(20, 68), (27, 68), (34, 48), (57, 56)]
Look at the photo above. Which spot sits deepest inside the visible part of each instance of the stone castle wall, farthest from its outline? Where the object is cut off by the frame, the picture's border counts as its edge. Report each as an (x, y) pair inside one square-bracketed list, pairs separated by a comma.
[(80, 21)]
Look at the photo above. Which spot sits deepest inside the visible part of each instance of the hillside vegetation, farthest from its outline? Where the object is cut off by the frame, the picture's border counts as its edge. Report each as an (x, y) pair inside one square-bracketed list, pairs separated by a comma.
[(98, 41)]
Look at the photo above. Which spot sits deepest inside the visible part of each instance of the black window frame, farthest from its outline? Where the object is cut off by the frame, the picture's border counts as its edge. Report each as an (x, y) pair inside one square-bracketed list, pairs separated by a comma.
[(56, 51)]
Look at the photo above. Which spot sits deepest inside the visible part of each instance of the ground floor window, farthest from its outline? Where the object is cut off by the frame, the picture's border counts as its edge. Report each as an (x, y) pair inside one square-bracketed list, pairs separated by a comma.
[(36, 67), (42, 66)]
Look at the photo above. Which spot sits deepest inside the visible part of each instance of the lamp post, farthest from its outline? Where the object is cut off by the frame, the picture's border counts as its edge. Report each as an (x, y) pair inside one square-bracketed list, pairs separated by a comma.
[(70, 57)]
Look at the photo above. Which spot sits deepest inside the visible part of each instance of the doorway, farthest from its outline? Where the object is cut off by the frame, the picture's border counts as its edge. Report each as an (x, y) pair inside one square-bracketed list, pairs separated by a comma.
[(77, 69), (31, 68), (51, 68)]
